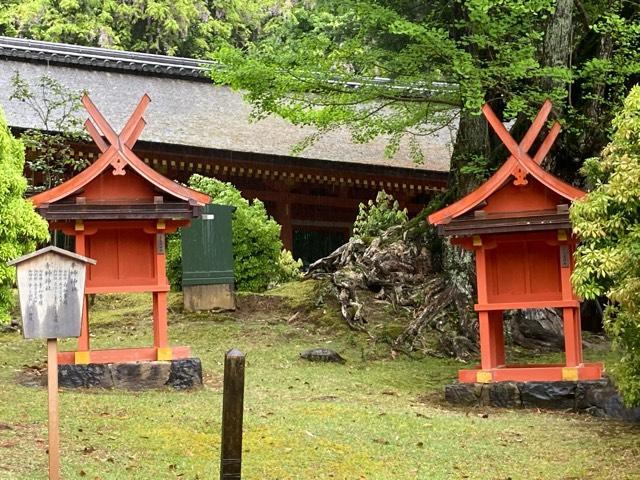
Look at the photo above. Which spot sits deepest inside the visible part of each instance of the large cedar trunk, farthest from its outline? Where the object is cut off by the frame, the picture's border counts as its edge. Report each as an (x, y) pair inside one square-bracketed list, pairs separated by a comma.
[(472, 145), (557, 53)]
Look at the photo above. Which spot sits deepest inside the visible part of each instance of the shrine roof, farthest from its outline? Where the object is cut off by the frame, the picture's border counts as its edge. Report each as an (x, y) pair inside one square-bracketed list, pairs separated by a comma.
[(188, 110), (117, 155), (52, 249), (518, 165)]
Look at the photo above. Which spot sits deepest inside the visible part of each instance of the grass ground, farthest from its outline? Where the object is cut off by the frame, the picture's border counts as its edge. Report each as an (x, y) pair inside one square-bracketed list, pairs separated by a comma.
[(374, 418)]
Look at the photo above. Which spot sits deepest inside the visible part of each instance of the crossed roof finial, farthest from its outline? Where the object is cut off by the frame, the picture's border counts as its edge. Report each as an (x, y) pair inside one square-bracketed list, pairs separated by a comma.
[(117, 147), (519, 151), (519, 165)]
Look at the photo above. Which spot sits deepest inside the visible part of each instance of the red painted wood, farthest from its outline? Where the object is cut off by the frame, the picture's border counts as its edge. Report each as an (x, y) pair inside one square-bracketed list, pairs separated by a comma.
[(519, 159), (496, 321), (479, 307), (537, 373), (160, 324), (572, 336), (532, 197), (127, 259), (122, 355), (117, 149), (522, 269), (130, 254), (124, 288)]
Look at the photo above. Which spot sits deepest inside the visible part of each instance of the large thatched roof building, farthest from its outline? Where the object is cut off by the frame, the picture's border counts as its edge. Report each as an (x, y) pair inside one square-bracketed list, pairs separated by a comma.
[(196, 127)]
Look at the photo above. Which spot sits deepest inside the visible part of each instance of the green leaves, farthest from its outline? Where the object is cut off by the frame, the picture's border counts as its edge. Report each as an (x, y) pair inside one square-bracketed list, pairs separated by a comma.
[(21, 228), (57, 107), (608, 223), (376, 217), (176, 27), (391, 69)]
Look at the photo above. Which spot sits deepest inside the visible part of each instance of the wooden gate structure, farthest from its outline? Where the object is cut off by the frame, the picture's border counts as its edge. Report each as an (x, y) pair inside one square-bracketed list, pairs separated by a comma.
[(517, 224), (119, 210)]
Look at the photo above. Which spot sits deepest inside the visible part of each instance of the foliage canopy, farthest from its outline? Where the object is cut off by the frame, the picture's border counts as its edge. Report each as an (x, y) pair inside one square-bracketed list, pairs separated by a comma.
[(21, 228), (178, 27), (608, 223), (404, 69)]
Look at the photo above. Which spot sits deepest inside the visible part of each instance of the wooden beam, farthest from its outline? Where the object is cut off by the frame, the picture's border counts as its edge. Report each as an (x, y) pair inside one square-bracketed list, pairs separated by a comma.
[(305, 199)]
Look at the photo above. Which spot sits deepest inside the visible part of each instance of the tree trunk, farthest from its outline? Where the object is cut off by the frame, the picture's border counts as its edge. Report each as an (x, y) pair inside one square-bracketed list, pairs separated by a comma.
[(471, 148), (557, 38), (557, 53)]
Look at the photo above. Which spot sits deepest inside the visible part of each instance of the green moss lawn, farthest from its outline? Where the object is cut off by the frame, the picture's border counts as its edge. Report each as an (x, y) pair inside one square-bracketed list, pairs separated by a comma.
[(376, 417)]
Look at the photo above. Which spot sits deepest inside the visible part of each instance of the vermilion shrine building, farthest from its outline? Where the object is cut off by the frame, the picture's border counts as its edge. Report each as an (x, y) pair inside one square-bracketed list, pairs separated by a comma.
[(196, 127), (517, 225), (118, 210)]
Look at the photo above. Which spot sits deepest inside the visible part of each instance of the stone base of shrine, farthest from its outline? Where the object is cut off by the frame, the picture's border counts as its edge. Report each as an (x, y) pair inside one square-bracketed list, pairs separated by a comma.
[(178, 374), (198, 298), (533, 373), (597, 397)]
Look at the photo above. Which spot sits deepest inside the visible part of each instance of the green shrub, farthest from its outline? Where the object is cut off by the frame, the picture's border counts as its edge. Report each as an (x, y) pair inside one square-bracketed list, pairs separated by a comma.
[(259, 260), (21, 228), (607, 221), (173, 257), (376, 217), (290, 268)]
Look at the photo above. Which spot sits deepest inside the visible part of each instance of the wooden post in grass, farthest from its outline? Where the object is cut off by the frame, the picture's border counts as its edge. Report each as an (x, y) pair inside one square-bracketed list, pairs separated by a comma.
[(51, 291), (54, 430), (232, 410)]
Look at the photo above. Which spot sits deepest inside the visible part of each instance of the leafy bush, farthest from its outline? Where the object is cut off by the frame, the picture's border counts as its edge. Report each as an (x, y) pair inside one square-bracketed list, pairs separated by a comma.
[(376, 217), (173, 257), (608, 223), (259, 260), (290, 268), (21, 228)]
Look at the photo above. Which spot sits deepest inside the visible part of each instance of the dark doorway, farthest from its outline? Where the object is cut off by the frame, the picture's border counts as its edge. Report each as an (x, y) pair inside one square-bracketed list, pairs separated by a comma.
[(310, 245)]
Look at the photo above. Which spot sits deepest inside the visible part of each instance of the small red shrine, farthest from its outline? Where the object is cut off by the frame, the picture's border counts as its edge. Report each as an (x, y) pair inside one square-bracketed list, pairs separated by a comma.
[(517, 224), (119, 210)]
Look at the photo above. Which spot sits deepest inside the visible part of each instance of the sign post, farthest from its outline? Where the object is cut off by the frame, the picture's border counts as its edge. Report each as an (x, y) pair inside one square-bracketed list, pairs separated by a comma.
[(51, 290), (54, 430)]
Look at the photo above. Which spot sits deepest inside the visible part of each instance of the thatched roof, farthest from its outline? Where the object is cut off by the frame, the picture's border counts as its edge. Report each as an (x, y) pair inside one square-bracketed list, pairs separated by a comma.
[(186, 108)]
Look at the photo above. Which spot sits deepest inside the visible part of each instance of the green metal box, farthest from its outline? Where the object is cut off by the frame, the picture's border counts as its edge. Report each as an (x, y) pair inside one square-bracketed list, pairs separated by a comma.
[(207, 248)]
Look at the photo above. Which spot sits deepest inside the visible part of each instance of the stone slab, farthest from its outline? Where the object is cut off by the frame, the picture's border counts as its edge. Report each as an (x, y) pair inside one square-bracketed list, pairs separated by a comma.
[(554, 395), (178, 374), (94, 375), (185, 374), (140, 375), (198, 298), (598, 397)]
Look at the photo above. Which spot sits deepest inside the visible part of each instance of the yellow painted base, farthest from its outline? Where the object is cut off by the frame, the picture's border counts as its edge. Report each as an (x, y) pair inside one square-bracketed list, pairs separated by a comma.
[(570, 374), (484, 377), (82, 358), (165, 353)]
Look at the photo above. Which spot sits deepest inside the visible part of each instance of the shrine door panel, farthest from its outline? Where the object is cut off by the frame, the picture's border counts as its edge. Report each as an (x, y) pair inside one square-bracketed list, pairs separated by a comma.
[(521, 271), (544, 270), (125, 258)]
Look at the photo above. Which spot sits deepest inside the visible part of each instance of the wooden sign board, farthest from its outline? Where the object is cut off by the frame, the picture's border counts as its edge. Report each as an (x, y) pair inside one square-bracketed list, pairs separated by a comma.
[(51, 289)]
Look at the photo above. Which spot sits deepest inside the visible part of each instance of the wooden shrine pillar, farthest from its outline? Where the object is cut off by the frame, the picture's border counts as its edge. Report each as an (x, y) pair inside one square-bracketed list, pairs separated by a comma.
[(491, 339), (82, 353), (283, 217), (160, 319), (571, 316), (490, 322)]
